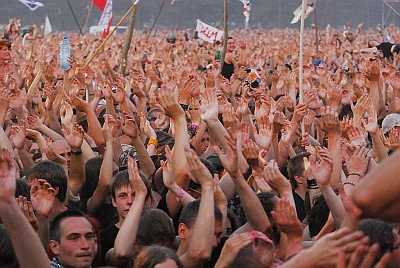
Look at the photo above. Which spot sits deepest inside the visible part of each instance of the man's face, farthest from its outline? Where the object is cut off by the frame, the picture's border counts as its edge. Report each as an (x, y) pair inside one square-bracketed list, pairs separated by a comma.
[(78, 243), (64, 150), (203, 145), (4, 53), (124, 197), (217, 233), (231, 46)]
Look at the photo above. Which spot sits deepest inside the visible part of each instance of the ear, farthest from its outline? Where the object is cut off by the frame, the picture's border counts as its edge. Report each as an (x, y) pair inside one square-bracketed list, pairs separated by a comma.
[(182, 230), (113, 202), (298, 179), (56, 190), (54, 247)]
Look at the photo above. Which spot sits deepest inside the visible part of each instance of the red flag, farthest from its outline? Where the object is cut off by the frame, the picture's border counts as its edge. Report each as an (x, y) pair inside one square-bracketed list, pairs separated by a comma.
[(101, 4)]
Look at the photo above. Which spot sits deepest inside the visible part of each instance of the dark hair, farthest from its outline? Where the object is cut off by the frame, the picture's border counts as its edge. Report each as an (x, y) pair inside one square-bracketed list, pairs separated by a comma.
[(234, 221), (153, 255), (379, 232), (7, 254), (155, 227), (121, 179), (318, 215), (268, 203), (92, 174), (190, 212), (53, 173), (296, 167), (346, 110)]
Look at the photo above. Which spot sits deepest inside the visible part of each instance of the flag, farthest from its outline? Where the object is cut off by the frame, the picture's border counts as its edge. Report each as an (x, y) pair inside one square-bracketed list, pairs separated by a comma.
[(32, 5), (101, 4), (246, 11), (47, 26), (106, 18), (207, 32), (297, 12)]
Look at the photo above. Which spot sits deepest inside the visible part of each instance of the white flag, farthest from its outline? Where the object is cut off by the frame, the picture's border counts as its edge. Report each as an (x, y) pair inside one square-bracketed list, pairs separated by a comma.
[(246, 11), (297, 12), (106, 17), (47, 26), (207, 32), (32, 5)]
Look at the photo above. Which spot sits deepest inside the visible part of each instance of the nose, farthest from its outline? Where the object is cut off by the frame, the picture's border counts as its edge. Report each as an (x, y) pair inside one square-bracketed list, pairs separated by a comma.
[(130, 199), (215, 242), (85, 243)]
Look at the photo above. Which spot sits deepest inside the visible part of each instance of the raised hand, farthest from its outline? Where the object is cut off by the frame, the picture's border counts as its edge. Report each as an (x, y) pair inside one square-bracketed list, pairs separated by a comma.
[(198, 169), (169, 103), (75, 137), (322, 169), (7, 178), (285, 216), (230, 119), (356, 161), (209, 105), (27, 209), (230, 159), (129, 126), (275, 179), (330, 120), (263, 136), (137, 183), (42, 197)]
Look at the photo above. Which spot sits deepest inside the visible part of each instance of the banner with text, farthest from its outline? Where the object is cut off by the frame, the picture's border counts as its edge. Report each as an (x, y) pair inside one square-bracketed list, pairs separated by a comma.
[(208, 33)]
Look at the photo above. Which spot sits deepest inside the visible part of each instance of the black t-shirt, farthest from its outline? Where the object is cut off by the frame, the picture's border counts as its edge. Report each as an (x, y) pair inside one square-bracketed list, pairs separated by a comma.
[(300, 206), (227, 70), (385, 47), (107, 239)]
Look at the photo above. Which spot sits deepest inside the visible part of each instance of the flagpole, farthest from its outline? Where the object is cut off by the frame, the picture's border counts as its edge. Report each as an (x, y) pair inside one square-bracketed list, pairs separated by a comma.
[(86, 15), (225, 33), (127, 45), (155, 20), (76, 20), (301, 100), (110, 34)]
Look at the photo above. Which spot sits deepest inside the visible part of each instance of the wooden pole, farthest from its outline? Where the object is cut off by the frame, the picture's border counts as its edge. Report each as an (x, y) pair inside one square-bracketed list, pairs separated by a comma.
[(225, 33), (316, 27), (301, 99), (108, 36), (127, 45)]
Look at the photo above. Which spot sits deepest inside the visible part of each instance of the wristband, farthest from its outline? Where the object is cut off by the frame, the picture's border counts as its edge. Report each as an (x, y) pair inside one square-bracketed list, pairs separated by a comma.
[(312, 184), (152, 141), (354, 174), (349, 183), (180, 195), (185, 107), (195, 127), (76, 152)]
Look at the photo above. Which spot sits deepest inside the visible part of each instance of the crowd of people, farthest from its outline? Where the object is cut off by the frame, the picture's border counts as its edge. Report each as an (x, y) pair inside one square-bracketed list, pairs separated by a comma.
[(173, 158)]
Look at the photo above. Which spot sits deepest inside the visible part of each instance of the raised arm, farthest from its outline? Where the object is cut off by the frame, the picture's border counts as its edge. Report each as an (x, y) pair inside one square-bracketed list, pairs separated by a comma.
[(30, 254), (125, 240), (256, 217)]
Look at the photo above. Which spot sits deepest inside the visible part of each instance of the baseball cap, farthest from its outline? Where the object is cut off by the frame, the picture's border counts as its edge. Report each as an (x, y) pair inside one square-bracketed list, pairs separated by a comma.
[(390, 121)]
